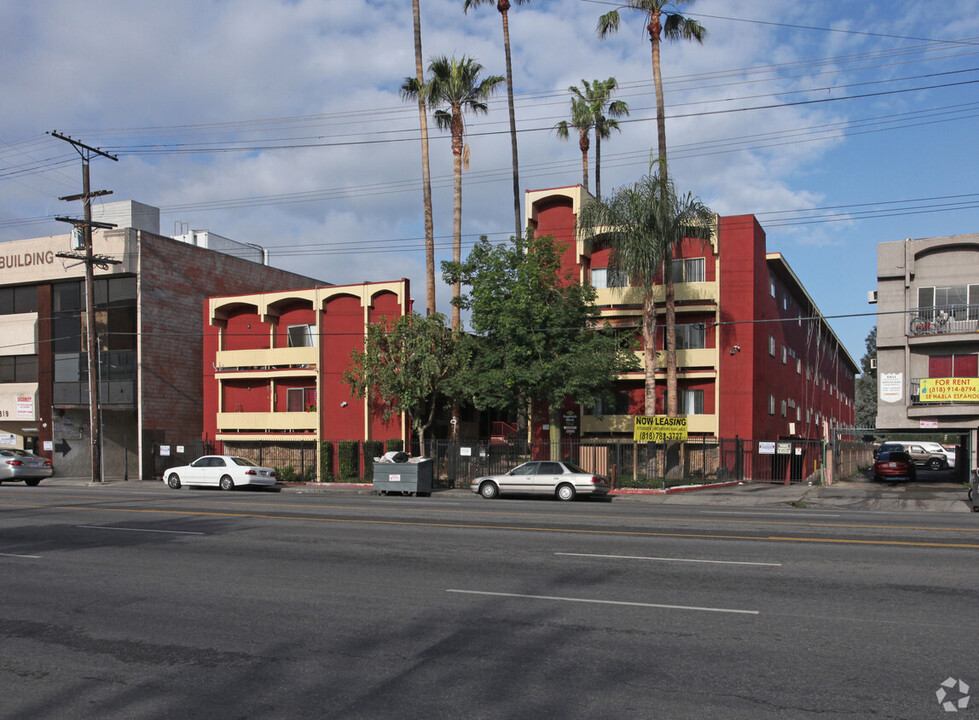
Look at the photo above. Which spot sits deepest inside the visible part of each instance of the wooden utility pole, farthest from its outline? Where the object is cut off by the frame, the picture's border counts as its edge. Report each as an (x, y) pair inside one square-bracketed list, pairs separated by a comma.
[(90, 259)]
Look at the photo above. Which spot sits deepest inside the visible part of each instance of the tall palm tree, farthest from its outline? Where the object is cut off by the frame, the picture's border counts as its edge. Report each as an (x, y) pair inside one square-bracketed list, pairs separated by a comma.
[(606, 112), (593, 109), (453, 89), (426, 174), (664, 21), (641, 224), (504, 8), (582, 120)]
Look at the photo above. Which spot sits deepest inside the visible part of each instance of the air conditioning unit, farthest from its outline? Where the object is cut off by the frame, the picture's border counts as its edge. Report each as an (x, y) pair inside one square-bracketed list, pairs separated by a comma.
[(871, 296), (873, 363)]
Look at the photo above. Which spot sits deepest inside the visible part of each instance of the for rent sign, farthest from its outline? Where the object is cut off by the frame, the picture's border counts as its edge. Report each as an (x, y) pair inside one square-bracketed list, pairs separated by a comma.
[(948, 390), (658, 428)]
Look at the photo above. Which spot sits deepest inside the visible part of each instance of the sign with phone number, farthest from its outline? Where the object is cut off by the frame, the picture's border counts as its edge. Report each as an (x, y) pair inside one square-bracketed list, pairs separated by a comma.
[(658, 428)]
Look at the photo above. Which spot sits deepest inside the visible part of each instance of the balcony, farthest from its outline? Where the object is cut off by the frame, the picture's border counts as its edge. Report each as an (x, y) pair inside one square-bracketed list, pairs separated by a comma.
[(267, 422), (266, 358), (943, 320), (683, 292)]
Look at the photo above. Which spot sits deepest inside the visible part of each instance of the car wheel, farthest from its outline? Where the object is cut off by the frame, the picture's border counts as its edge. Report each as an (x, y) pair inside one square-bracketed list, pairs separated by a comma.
[(227, 483), (935, 464), (33, 482), (489, 490), (173, 481), (565, 492)]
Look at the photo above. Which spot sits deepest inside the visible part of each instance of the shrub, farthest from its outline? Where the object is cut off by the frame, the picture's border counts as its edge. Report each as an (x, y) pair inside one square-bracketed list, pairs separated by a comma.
[(326, 461), (393, 444), (372, 449), (286, 474), (347, 457)]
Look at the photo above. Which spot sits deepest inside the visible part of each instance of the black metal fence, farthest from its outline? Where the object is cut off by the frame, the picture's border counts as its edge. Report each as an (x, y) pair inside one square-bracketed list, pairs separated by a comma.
[(625, 463)]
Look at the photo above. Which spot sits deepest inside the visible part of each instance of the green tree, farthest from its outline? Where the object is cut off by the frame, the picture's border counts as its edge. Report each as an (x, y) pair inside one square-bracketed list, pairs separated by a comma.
[(593, 109), (426, 172), (536, 339), (503, 6), (409, 365), (455, 85), (641, 223), (664, 20), (865, 393)]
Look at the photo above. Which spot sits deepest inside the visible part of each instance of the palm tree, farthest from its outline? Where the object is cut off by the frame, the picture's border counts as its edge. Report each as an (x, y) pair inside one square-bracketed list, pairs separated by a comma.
[(454, 84), (504, 7), (675, 27), (593, 108), (426, 174), (641, 224), (582, 120)]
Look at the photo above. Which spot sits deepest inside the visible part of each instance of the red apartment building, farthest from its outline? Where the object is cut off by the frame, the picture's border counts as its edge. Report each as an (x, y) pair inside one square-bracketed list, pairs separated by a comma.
[(274, 363), (756, 358)]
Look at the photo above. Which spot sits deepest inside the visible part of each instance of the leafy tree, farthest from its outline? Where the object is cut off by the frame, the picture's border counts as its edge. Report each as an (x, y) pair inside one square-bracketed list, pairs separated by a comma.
[(593, 109), (641, 223), (426, 173), (865, 393), (408, 366), (454, 84), (536, 340), (663, 21), (503, 6)]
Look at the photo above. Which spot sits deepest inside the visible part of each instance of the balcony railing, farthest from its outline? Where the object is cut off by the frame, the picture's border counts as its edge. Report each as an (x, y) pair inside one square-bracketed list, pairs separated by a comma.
[(943, 319)]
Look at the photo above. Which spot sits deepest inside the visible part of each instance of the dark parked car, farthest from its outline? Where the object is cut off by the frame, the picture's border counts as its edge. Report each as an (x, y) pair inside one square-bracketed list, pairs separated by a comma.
[(894, 465)]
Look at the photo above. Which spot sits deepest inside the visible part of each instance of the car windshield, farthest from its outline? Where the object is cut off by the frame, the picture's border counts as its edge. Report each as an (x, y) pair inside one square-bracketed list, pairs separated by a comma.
[(244, 462)]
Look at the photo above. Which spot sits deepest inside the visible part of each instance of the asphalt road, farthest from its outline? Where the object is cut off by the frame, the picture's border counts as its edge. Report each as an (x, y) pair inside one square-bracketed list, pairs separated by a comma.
[(142, 602)]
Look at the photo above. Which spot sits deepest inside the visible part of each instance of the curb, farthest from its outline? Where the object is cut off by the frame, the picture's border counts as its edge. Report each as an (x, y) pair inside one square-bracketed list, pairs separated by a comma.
[(670, 491)]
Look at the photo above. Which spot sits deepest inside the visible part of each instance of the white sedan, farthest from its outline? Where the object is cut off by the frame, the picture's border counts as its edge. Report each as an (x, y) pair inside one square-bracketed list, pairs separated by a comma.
[(563, 480), (223, 471)]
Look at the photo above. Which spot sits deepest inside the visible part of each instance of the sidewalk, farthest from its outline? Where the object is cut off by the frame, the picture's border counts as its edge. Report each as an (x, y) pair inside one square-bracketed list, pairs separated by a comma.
[(849, 495)]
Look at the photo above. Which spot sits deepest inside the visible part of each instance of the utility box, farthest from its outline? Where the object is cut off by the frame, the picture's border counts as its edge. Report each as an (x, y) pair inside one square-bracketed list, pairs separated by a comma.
[(404, 478)]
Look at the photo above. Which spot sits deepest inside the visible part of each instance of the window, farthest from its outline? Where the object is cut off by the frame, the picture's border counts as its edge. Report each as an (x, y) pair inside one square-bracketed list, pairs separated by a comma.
[(301, 399), (798, 366), (953, 366), (692, 402), (771, 345), (771, 404), (784, 355), (15, 300), (550, 468), (964, 300), (771, 286), (18, 369), (302, 336), (618, 404), (783, 408), (690, 336), (607, 278), (688, 270)]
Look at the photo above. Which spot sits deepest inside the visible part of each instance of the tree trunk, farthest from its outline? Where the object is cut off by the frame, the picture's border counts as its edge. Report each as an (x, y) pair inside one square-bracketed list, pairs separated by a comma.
[(598, 164), (670, 329), (426, 175), (654, 30), (649, 351), (517, 220), (584, 145), (456, 214)]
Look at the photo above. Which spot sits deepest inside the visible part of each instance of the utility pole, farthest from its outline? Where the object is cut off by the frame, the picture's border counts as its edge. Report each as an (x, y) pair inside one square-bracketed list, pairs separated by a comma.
[(90, 259)]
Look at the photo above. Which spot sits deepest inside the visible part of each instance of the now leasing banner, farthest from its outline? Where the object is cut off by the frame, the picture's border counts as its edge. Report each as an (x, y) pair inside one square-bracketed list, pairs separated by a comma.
[(658, 428), (948, 390)]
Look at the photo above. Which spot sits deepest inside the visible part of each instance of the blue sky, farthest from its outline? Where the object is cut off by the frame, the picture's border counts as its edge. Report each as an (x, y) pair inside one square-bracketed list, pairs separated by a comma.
[(839, 124)]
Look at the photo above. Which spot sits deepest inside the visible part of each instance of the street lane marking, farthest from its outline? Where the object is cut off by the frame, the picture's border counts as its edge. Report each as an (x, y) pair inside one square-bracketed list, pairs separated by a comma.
[(470, 526), (666, 559), (29, 557), (606, 602), (148, 530), (769, 512)]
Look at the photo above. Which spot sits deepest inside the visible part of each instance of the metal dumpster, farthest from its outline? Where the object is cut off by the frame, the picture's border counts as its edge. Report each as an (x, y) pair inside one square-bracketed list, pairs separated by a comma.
[(404, 478)]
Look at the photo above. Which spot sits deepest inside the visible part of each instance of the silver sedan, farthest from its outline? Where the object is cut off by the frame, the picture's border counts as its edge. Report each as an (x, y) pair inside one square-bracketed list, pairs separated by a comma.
[(563, 480), (17, 465)]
